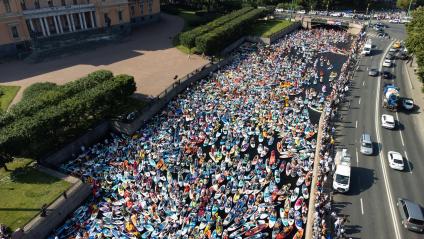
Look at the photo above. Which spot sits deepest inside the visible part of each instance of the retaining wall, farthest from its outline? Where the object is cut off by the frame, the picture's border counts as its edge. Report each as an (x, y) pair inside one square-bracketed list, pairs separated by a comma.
[(74, 148), (312, 197)]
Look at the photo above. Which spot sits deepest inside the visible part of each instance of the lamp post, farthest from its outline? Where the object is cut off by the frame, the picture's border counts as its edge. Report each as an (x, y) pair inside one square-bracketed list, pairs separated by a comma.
[(292, 9), (328, 3), (409, 8)]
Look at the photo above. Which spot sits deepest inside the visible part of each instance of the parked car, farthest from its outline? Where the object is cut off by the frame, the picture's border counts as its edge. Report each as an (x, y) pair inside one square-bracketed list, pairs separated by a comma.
[(411, 214), (408, 104), (373, 72), (336, 14), (301, 12), (401, 56), (387, 63), (388, 121), (397, 45), (392, 50), (395, 160), (396, 21)]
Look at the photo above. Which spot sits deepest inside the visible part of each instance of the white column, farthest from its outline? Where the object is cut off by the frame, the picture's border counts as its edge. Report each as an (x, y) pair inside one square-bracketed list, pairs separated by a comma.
[(59, 19), (47, 26), (42, 26), (31, 25), (69, 23), (93, 25), (80, 21), (83, 20), (55, 25), (72, 22)]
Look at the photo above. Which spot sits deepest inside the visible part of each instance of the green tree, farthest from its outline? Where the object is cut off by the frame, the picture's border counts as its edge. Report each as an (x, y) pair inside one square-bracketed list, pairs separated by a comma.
[(415, 38)]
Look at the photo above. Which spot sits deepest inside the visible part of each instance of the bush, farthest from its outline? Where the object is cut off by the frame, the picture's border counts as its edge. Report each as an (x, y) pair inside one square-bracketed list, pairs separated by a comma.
[(53, 97), (188, 38), (50, 127), (1, 92), (216, 40), (37, 89)]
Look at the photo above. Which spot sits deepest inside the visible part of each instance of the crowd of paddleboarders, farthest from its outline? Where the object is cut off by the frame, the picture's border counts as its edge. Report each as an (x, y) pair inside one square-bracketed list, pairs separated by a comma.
[(230, 157)]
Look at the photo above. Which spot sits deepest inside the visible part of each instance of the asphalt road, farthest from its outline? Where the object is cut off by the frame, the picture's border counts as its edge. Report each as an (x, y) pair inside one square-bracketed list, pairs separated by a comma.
[(370, 204)]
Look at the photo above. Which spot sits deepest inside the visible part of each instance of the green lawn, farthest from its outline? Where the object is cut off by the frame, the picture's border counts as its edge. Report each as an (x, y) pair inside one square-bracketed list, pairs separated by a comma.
[(24, 190), (7, 93), (265, 28)]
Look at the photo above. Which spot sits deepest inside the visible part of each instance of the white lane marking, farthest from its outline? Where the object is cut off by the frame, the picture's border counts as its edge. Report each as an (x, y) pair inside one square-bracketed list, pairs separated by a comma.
[(409, 78), (409, 162), (400, 132), (356, 124), (357, 158), (362, 207), (363, 83), (381, 154), (359, 100)]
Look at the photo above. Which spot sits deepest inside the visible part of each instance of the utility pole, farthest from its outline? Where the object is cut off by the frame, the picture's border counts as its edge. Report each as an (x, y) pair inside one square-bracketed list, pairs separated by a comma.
[(292, 9), (328, 3), (409, 8)]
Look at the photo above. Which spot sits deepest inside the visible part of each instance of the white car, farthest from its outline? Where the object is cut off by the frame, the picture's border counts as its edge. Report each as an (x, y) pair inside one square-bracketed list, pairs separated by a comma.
[(387, 63), (392, 50), (408, 104), (388, 121), (336, 14), (394, 20), (301, 12), (395, 160)]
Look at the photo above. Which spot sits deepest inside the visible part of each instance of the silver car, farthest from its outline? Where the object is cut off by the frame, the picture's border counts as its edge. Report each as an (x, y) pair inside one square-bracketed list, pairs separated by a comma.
[(366, 144), (411, 214)]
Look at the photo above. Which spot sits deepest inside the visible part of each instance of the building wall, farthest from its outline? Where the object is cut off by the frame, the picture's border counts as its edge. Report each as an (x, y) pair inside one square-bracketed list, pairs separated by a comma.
[(28, 20)]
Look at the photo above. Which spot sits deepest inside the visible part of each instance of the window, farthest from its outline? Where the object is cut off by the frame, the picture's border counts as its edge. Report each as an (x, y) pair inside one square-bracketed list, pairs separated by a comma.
[(142, 7), (63, 2), (120, 15), (50, 2), (37, 4), (7, 6), (23, 5), (14, 30), (75, 2)]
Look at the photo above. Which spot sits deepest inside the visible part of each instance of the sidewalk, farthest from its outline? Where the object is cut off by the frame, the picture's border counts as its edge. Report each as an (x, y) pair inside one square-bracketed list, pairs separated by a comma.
[(414, 91)]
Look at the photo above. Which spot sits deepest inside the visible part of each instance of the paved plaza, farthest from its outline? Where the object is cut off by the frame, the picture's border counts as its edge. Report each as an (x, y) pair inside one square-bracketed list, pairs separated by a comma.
[(148, 55)]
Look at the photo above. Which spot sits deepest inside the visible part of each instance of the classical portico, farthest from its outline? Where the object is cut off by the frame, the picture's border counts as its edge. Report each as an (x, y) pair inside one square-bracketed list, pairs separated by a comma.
[(61, 19)]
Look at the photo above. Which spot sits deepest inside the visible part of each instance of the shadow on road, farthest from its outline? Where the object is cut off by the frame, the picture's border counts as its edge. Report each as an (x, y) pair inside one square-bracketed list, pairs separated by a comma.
[(362, 179)]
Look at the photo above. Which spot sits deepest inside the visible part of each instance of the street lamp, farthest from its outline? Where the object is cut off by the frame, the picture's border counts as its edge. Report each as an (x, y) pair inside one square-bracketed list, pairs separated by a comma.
[(292, 9), (409, 8)]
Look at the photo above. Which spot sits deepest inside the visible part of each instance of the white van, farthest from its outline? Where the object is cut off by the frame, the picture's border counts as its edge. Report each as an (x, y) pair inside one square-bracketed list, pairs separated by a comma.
[(341, 180), (367, 48)]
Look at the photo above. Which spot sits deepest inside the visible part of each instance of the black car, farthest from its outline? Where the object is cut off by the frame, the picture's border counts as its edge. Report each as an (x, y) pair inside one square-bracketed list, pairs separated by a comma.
[(387, 75), (401, 56), (390, 56), (373, 72)]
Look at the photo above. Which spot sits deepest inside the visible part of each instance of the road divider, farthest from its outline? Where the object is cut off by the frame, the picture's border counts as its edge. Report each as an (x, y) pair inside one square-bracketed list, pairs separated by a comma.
[(409, 162)]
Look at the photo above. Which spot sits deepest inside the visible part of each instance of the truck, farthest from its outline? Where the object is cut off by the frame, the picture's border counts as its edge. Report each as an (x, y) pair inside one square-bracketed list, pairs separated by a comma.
[(391, 97), (341, 178), (367, 48)]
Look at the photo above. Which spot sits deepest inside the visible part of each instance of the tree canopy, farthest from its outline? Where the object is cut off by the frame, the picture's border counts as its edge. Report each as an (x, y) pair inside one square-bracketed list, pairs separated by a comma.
[(415, 39)]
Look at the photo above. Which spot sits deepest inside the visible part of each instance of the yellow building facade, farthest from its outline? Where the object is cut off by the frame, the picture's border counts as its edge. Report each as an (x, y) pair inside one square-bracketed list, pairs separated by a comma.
[(23, 20)]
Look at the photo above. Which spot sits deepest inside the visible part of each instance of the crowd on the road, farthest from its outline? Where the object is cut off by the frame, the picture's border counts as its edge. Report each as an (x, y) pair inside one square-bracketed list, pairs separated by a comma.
[(231, 157)]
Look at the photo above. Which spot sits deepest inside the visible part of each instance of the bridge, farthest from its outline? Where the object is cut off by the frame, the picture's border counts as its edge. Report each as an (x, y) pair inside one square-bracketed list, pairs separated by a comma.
[(309, 22)]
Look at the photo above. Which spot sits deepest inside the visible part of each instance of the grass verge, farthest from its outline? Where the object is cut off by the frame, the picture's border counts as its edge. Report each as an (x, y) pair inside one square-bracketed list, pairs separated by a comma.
[(7, 93), (266, 28), (24, 190)]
